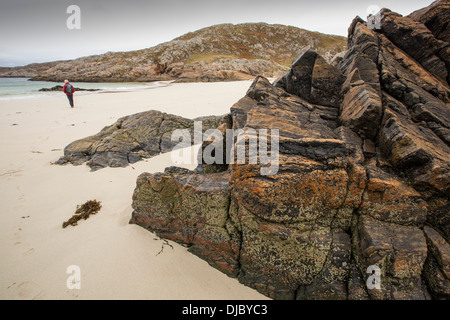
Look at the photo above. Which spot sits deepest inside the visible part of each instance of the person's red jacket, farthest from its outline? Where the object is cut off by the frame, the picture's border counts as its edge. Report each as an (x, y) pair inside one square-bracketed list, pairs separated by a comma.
[(64, 89)]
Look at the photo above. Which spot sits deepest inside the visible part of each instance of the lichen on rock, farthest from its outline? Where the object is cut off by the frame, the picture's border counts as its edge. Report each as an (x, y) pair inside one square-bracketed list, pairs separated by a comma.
[(363, 179)]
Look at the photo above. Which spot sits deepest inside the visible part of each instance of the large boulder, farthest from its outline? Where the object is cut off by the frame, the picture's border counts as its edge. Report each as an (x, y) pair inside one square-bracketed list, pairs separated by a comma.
[(361, 179), (314, 79), (131, 139)]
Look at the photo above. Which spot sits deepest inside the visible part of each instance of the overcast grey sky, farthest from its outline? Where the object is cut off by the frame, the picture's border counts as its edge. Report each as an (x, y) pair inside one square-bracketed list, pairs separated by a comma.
[(36, 31)]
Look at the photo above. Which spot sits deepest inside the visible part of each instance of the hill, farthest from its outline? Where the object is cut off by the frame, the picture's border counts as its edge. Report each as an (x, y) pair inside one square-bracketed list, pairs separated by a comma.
[(220, 52)]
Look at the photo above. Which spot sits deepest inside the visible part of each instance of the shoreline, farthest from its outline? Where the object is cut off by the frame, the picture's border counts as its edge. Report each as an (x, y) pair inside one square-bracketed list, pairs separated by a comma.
[(117, 260), (43, 89)]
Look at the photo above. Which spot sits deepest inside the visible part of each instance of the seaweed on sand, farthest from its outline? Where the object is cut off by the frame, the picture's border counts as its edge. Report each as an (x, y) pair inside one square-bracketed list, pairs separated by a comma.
[(83, 212)]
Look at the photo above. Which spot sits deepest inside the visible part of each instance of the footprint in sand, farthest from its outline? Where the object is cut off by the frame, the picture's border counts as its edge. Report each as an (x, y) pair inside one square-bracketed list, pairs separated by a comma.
[(20, 201), (29, 291), (17, 233), (74, 295), (14, 173), (28, 252)]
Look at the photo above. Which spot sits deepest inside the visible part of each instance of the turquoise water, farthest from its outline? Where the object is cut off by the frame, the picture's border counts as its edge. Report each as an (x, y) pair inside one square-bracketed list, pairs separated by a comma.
[(22, 88)]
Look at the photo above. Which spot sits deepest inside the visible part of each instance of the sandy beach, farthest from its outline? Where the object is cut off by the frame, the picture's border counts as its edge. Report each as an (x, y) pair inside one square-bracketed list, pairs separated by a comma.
[(116, 260)]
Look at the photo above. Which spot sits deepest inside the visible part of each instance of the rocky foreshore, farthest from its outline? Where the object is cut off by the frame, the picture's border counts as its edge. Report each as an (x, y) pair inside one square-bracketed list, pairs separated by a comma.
[(60, 88), (363, 180)]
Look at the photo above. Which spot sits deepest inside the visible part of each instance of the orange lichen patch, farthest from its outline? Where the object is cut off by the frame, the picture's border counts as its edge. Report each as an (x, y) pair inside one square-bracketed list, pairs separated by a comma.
[(258, 191), (384, 190), (356, 185)]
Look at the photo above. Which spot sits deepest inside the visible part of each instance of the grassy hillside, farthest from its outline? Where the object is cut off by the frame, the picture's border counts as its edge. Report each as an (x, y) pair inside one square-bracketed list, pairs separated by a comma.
[(219, 52)]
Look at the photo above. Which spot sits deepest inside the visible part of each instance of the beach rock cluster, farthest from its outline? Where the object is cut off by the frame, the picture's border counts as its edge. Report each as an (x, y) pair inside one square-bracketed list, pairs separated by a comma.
[(217, 53), (60, 88), (363, 180), (131, 139)]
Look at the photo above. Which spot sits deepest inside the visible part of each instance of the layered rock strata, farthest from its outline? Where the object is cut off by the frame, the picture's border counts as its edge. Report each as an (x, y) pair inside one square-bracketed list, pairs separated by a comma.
[(363, 175)]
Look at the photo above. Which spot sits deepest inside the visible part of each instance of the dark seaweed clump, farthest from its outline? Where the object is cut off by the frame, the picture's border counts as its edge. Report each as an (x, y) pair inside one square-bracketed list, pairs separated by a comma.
[(83, 212)]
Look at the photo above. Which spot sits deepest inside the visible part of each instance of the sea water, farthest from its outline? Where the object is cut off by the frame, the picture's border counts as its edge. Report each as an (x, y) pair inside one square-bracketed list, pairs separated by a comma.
[(23, 88)]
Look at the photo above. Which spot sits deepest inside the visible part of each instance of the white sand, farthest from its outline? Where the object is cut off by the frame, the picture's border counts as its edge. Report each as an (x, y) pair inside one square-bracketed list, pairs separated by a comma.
[(117, 260)]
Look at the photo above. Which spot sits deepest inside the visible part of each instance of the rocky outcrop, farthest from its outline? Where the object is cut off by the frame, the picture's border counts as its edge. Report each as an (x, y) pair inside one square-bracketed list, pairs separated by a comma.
[(132, 139), (28, 71), (313, 79), (363, 176), (175, 199), (217, 53), (417, 41), (435, 18), (60, 88)]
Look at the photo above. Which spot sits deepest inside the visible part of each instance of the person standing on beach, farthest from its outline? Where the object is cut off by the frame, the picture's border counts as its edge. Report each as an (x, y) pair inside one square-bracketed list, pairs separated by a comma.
[(69, 90)]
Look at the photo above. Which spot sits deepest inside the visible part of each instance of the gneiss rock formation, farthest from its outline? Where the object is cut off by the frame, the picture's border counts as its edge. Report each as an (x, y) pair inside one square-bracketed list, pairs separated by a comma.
[(363, 180), (131, 139), (435, 18), (216, 53)]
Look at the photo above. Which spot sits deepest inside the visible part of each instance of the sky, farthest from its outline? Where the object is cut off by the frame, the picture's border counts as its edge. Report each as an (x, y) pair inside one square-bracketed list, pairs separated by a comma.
[(36, 30)]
